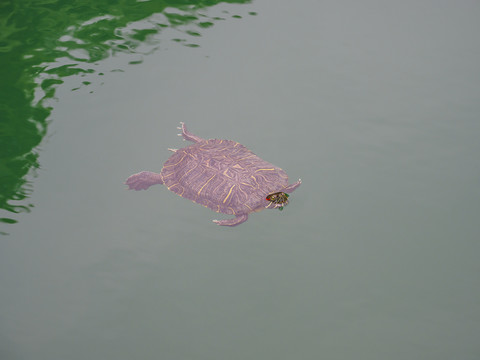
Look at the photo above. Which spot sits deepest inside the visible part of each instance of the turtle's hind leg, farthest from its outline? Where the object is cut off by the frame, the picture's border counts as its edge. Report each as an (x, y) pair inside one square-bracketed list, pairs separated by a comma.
[(143, 180), (188, 135), (232, 222)]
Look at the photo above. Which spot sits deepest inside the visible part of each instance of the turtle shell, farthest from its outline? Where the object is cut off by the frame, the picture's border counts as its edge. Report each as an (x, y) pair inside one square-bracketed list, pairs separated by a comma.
[(222, 175)]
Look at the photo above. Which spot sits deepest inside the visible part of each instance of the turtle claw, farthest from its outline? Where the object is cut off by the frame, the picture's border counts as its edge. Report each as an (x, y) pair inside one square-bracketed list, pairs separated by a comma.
[(181, 135), (188, 135), (173, 150)]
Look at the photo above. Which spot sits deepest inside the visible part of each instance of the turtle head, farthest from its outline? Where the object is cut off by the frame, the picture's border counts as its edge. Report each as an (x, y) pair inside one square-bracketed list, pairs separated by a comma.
[(278, 200)]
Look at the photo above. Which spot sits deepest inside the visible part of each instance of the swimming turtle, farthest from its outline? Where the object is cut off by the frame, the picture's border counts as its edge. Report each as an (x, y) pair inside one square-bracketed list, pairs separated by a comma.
[(222, 175)]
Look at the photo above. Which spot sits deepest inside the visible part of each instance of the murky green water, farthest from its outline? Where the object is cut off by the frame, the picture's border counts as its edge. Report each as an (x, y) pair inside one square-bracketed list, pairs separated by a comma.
[(375, 105)]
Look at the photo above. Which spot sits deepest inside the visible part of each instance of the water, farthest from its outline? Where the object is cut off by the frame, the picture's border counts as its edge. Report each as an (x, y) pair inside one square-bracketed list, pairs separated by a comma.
[(374, 105)]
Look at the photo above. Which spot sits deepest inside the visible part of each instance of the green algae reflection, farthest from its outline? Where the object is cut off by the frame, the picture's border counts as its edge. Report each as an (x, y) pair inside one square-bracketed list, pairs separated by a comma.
[(44, 41)]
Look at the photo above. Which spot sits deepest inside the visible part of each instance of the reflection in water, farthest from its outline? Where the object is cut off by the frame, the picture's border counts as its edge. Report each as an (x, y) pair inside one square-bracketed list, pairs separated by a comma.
[(44, 41)]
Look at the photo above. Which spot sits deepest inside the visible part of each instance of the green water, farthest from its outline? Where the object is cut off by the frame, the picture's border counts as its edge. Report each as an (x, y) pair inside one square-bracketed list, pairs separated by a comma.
[(375, 105), (44, 42)]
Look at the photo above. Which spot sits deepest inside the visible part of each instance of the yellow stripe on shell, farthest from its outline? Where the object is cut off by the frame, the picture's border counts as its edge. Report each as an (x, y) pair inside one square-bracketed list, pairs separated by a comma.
[(185, 173), (205, 184), (165, 176), (225, 173), (183, 189), (228, 193), (177, 162), (246, 157)]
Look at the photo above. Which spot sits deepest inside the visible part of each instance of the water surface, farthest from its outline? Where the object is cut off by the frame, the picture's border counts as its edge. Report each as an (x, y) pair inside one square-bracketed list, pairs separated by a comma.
[(374, 105)]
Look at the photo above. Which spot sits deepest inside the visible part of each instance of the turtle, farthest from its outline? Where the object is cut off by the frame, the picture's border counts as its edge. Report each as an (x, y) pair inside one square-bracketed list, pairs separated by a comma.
[(222, 175)]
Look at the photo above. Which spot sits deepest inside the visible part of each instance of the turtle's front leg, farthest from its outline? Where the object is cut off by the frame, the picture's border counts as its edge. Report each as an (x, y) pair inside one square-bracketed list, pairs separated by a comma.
[(232, 222), (188, 135), (293, 186), (143, 180)]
